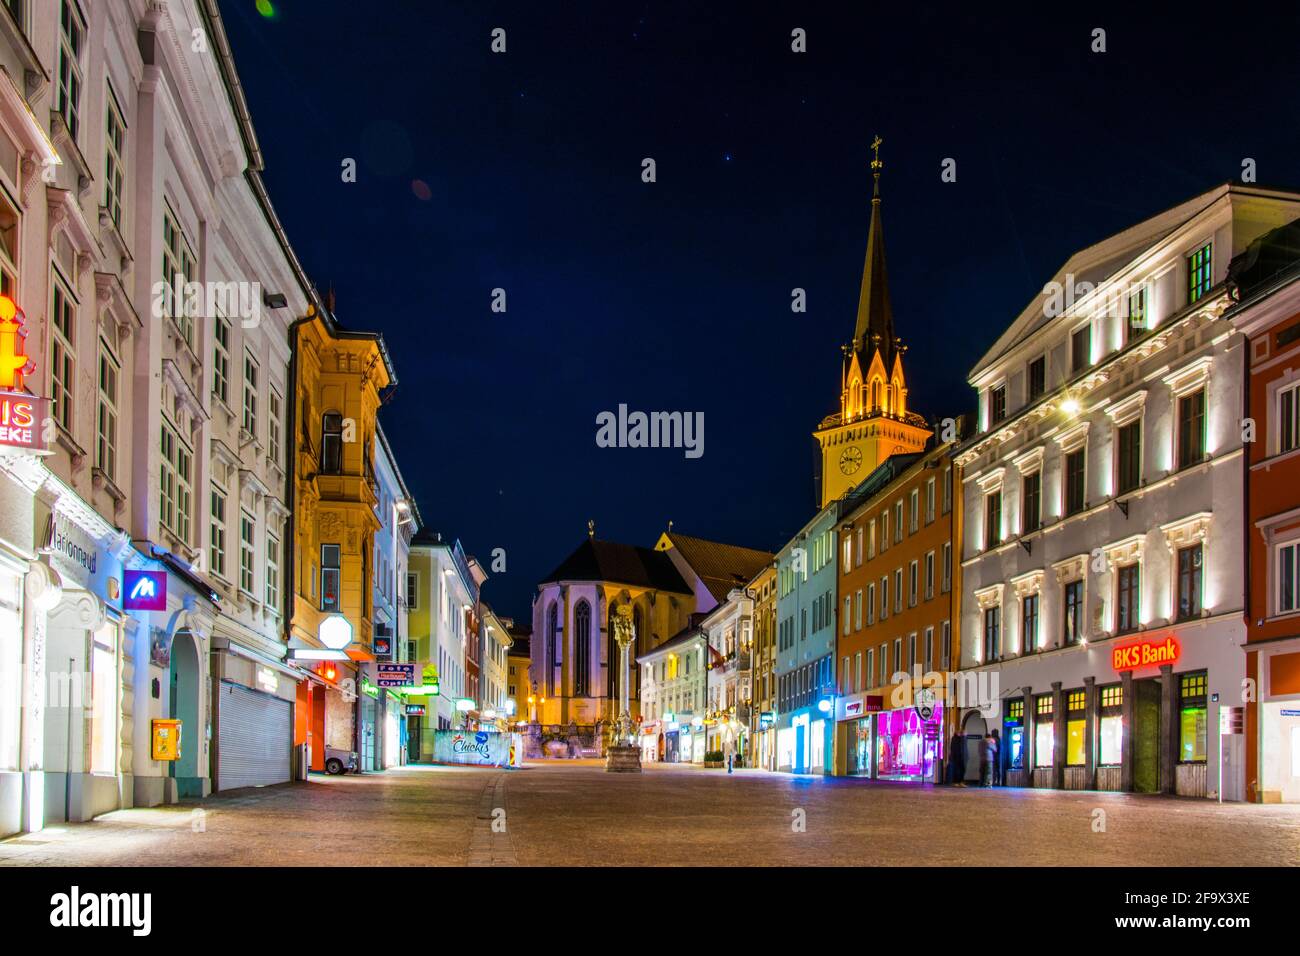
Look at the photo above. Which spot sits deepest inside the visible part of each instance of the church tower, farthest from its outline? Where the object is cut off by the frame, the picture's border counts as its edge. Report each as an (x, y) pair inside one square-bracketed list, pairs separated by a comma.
[(873, 421)]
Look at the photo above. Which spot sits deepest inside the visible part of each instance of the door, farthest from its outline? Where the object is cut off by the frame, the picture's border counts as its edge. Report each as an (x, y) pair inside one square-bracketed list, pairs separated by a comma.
[(368, 749), (317, 735), (1146, 736), (254, 738), (184, 701), (413, 739)]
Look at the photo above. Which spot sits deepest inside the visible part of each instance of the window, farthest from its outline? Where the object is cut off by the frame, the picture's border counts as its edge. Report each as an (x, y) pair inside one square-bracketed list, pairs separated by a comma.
[(177, 269), (582, 649), (847, 623), (1015, 743), (67, 94), (1199, 265), (859, 546), (331, 444), (857, 610), (1075, 728), (62, 356), (929, 649), (1072, 625), (997, 404), (1032, 519), (1191, 718), (1127, 598), (1037, 377), (1029, 624), (871, 538), (1137, 314), (106, 413), (412, 591), (945, 645), (947, 566), (898, 654), (1189, 582), (914, 511), (870, 669), (1129, 470), (871, 604), (250, 395), (898, 589), (847, 563), (911, 652), (1081, 348), (947, 490), (1074, 481), (175, 484), (221, 358), (929, 501), (272, 571), (884, 531), (1110, 735), (274, 413), (1044, 732), (1288, 419), (992, 634), (898, 521), (8, 246), (884, 665), (992, 520), (1287, 580), (217, 532), (114, 145), (1191, 428), (912, 581), (884, 597), (104, 688), (329, 578), (929, 575), (246, 551)]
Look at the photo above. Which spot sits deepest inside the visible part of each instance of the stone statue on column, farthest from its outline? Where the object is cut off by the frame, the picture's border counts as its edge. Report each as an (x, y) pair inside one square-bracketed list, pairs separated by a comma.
[(624, 753)]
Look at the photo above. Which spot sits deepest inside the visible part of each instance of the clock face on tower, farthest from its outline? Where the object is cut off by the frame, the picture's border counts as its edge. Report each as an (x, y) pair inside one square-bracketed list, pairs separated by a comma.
[(851, 460)]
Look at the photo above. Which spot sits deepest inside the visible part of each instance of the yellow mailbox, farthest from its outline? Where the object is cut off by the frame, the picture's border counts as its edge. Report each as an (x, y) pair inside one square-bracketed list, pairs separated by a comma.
[(166, 738)]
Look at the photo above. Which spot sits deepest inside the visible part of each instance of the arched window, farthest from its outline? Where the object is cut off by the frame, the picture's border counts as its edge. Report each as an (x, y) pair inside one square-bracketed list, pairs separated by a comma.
[(582, 650), (331, 444), (875, 394), (553, 646)]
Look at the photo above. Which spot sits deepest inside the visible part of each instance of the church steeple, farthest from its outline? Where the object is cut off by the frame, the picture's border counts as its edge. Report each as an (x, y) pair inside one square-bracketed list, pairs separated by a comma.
[(875, 325)]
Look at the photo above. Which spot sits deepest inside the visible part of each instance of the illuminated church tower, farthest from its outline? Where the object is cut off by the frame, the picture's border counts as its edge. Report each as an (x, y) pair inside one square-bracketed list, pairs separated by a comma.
[(873, 421)]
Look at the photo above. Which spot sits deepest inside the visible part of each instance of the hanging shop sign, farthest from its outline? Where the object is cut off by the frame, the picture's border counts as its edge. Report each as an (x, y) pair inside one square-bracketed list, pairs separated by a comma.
[(388, 674), (144, 590), (414, 710), (22, 416), (1151, 653), (925, 700), (383, 647), (1232, 720)]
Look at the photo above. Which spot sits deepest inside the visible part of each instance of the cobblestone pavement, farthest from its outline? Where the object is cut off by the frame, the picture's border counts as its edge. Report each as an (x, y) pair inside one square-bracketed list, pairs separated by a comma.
[(575, 813)]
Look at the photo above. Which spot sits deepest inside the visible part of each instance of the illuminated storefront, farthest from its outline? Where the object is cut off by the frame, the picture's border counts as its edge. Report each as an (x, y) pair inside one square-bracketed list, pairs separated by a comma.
[(908, 747)]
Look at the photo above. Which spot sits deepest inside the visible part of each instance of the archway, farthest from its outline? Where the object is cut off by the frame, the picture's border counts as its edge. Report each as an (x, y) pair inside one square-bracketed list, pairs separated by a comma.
[(974, 728), (184, 706)]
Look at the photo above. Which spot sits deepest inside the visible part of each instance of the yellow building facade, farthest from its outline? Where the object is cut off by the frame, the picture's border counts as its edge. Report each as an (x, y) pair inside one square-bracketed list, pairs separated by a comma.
[(337, 378)]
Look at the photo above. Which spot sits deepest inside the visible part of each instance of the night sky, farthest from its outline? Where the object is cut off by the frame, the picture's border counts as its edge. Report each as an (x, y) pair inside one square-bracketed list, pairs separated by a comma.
[(523, 171)]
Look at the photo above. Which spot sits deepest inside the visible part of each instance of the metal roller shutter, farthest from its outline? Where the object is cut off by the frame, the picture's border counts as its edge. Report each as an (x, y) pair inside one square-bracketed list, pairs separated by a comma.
[(254, 738)]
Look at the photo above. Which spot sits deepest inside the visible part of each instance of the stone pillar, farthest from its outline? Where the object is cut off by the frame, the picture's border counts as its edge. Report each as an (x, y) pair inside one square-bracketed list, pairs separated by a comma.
[(1126, 745), (1169, 743), (1058, 736), (1090, 731)]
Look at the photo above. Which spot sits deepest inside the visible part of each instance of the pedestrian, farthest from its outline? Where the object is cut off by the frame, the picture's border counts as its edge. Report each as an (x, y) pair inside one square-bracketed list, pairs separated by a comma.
[(729, 759), (986, 754), (957, 760), (997, 758)]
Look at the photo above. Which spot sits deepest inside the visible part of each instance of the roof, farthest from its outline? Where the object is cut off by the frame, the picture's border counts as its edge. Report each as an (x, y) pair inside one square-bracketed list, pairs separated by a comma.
[(595, 560), (522, 647), (690, 632), (722, 567), (1265, 260)]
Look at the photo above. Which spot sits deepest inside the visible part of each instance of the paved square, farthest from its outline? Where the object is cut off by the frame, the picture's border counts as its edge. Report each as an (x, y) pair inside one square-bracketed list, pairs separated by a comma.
[(573, 813)]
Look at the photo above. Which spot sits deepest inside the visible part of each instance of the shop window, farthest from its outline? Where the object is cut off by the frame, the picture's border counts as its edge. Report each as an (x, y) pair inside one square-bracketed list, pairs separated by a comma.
[(1110, 733), (1044, 732), (104, 689), (1013, 733), (1075, 728), (1191, 718)]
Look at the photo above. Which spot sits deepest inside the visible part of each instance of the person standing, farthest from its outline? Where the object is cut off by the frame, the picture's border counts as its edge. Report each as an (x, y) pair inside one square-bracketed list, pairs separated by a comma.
[(986, 761), (957, 760), (996, 758)]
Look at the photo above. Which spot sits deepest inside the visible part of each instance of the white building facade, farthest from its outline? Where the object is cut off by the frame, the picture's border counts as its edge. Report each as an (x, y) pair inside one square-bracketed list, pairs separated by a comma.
[(124, 171), (1102, 591), (674, 698)]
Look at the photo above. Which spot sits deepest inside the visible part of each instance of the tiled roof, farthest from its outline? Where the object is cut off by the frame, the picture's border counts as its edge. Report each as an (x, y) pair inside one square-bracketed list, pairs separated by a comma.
[(721, 567), (620, 564)]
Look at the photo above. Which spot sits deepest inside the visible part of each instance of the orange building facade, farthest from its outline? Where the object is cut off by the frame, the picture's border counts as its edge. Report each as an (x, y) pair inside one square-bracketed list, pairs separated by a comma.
[(1268, 290), (897, 598)]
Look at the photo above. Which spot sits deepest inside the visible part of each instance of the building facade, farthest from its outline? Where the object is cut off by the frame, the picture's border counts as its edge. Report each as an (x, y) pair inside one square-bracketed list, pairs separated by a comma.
[(762, 733), (674, 698), (1263, 284), (1102, 594), (897, 595), (443, 624)]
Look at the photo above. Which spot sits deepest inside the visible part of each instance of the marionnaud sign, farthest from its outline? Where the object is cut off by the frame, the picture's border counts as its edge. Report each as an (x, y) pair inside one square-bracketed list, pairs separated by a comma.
[(394, 675), (485, 748)]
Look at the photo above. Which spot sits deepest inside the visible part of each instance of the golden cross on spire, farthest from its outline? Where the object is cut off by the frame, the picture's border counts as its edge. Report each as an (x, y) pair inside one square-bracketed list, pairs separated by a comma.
[(875, 149)]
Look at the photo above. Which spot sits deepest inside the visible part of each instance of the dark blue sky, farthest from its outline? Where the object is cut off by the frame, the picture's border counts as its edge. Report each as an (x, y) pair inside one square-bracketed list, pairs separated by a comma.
[(676, 295)]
